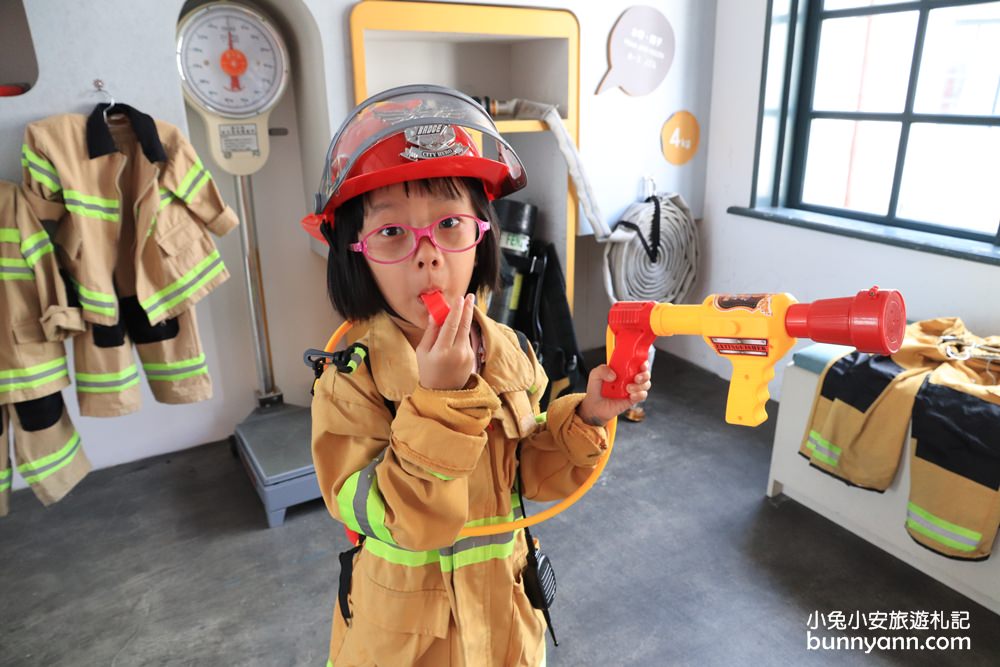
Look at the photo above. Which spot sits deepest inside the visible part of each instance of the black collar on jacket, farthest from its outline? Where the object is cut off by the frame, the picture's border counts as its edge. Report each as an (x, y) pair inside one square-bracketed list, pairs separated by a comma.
[(100, 141)]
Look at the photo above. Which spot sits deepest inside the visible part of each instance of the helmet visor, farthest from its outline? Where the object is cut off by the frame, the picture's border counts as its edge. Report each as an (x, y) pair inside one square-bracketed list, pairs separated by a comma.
[(424, 113)]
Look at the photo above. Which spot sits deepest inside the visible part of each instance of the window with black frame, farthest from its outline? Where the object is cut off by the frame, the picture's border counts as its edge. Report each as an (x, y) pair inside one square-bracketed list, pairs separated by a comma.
[(886, 112)]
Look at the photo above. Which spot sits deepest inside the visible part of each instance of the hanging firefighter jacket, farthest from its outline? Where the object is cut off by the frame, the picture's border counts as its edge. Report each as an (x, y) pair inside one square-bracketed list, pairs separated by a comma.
[(946, 383), (134, 205), (33, 323)]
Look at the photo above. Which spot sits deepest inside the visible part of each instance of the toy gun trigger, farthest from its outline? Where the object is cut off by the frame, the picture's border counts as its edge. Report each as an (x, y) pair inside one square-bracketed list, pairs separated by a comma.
[(632, 334)]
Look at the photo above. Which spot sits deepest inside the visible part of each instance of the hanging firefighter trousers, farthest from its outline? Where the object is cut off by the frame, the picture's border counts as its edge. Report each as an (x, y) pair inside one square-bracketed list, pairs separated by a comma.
[(171, 355), (46, 448), (941, 388), (35, 318)]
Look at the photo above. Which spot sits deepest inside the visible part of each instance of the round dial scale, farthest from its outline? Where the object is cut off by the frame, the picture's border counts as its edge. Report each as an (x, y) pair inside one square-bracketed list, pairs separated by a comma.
[(233, 66), (231, 59)]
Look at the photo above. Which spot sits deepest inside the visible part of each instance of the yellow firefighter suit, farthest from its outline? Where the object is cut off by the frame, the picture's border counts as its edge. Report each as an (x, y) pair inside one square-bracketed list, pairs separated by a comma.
[(419, 595), (939, 386), (134, 205), (34, 320)]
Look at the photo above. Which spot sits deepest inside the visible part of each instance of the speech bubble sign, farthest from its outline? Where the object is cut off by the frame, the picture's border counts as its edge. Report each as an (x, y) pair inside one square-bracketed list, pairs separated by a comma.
[(640, 51)]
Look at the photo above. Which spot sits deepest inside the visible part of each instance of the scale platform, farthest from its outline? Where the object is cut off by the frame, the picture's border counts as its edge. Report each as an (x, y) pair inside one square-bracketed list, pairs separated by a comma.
[(274, 445)]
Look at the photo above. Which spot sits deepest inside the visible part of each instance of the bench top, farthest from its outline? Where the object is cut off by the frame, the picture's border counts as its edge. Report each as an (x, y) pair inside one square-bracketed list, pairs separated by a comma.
[(815, 357)]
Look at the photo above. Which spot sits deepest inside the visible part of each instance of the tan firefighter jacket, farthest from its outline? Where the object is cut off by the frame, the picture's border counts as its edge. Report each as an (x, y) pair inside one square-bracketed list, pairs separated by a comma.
[(151, 215), (420, 595), (34, 318)]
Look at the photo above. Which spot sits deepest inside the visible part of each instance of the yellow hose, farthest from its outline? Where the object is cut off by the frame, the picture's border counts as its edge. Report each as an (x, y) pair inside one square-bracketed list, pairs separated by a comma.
[(548, 512)]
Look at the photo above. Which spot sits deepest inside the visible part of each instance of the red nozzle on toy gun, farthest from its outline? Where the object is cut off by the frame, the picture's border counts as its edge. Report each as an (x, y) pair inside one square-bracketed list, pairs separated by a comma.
[(436, 306), (872, 321), (629, 320)]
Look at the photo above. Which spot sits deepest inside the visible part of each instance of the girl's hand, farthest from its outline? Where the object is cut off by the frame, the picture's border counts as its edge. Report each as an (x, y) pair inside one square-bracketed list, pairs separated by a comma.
[(597, 410), (445, 359)]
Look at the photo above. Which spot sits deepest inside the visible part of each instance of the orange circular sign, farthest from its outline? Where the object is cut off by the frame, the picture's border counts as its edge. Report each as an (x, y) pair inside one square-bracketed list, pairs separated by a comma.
[(679, 137)]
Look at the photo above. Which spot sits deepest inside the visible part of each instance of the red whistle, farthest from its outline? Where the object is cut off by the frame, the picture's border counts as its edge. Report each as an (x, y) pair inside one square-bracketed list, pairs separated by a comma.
[(436, 306)]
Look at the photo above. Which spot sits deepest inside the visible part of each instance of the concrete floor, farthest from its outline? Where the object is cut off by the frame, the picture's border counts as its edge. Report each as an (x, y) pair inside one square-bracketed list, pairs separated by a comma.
[(675, 558)]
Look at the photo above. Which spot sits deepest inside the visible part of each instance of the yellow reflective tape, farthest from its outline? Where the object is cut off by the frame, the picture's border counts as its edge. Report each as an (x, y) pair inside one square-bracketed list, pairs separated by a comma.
[(32, 370), (182, 288), (400, 556), (41, 169), (477, 555), (55, 461), (174, 365), (107, 377)]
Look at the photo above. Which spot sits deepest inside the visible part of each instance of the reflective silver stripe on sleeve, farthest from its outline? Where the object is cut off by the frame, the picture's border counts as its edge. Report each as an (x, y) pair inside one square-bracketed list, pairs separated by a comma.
[(87, 205), (191, 186), (360, 500), (167, 297)]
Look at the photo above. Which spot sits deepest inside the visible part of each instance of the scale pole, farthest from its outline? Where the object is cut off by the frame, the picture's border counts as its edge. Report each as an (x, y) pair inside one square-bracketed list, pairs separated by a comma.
[(267, 393)]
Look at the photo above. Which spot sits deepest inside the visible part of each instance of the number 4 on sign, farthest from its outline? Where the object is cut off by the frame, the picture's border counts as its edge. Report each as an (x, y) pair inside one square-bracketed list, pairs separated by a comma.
[(679, 137), (676, 140)]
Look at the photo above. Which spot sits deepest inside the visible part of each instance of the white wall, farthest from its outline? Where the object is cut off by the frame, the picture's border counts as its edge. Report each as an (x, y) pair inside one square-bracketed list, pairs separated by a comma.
[(620, 134), (749, 255), (134, 55)]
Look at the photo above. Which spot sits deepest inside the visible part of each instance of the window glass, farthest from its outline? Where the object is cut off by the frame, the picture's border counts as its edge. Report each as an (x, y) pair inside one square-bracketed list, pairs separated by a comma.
[(951, 176), (864, 62), (831, 5), (960, 63), (850, 164)]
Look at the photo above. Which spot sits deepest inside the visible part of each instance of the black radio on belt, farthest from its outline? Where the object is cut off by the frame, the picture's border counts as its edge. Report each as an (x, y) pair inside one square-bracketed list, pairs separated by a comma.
[(539, 577)]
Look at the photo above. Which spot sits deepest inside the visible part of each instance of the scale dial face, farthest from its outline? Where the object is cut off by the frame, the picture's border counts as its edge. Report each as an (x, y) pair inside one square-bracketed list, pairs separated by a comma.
[(232, 60)]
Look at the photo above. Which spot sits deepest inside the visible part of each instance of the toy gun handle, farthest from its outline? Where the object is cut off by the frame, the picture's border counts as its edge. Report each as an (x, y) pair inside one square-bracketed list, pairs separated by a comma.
[(629, 323), (748, 390)]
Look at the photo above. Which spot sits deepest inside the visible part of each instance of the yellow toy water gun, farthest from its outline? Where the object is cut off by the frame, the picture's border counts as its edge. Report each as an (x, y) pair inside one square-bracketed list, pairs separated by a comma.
[(752, 330)]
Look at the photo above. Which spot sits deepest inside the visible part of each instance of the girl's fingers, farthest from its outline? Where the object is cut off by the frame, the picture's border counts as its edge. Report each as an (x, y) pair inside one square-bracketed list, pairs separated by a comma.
[(465, 325), (449, 328), (599, 375), (430, 334)]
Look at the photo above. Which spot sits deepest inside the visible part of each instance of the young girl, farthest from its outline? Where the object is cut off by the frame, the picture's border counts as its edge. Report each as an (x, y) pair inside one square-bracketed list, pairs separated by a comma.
[(416, 437)]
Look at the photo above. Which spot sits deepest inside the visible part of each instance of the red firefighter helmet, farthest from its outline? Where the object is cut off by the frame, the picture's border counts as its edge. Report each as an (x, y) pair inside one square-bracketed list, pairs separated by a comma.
[(408, 133)]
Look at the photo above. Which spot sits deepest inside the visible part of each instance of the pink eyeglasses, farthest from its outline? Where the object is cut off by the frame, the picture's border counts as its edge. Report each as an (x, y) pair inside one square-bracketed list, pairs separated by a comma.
[(390, 244)]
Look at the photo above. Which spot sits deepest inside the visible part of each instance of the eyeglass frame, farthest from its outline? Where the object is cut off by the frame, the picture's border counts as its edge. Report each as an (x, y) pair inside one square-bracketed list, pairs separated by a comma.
[(420, 233)]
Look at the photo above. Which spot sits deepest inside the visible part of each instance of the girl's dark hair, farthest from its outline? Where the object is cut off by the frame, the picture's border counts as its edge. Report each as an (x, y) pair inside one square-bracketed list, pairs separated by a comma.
[(350, 283)]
